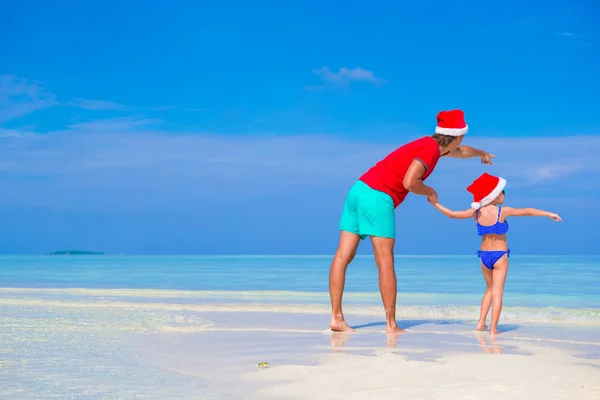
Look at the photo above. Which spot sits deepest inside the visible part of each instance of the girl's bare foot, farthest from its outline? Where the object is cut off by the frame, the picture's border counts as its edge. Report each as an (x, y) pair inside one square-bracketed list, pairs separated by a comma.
[(482, 327), (339, 325), (493, 331)]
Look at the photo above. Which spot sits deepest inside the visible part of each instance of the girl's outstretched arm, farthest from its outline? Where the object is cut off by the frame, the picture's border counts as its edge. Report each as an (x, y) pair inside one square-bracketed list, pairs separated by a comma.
[(455, 214), (529, 212)]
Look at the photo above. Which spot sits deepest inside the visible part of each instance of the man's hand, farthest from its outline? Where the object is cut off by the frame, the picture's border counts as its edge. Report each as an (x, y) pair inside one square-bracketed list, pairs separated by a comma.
[(486, 158), (470, 152), (433, 198), (555, 217)]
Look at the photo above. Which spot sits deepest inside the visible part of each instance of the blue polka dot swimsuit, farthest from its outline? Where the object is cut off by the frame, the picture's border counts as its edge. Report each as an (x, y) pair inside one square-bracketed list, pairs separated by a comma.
[(490, 258)]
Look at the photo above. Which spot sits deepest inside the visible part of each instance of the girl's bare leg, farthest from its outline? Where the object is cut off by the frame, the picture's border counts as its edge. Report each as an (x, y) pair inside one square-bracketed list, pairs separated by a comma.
[(486, 301), (498, 280), (337, 278)]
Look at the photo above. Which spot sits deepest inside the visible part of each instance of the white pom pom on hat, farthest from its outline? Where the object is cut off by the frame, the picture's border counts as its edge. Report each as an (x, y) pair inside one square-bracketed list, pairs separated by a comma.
[(485, 189)]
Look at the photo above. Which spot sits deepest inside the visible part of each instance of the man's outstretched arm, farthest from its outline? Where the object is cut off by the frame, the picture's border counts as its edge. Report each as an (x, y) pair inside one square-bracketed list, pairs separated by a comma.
[(470, 152)]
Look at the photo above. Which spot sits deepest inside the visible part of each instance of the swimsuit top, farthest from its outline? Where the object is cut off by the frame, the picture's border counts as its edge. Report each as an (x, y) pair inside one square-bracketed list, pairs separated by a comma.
[(499, 228)]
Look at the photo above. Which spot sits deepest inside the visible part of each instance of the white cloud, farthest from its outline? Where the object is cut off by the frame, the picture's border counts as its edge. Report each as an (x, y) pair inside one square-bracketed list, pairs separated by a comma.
[(16, 133), (19, 97), (575, 38), (195, 109), (132, 162), (159, 108), (345, 76), (112, 125), (542, 160), (102, 105), (554, 171), (97, 105)]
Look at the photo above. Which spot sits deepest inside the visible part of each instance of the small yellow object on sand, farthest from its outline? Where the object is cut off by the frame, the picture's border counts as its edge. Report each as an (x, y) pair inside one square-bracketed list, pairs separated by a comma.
[(263, 364)]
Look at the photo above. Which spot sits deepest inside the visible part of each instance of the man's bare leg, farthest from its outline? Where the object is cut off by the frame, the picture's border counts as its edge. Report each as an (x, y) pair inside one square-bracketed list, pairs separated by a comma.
[(384, 257), (337, 278)]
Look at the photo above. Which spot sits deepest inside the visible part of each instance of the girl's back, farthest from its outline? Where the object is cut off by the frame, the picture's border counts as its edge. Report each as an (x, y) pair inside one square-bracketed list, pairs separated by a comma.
[(492, 227)]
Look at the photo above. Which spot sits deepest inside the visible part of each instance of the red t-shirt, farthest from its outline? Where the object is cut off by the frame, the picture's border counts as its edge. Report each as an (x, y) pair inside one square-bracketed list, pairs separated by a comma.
[(388, 174)]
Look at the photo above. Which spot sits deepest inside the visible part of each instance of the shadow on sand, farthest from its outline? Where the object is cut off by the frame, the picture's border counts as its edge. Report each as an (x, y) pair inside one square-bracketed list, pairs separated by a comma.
[(407, 324)]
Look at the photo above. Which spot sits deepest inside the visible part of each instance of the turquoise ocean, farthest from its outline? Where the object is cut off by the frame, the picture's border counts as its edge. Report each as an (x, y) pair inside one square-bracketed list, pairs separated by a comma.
[(84, 327), (566, 282)]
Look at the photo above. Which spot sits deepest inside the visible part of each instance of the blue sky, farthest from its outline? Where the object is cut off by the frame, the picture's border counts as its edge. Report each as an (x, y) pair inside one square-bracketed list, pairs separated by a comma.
[(185, 127)]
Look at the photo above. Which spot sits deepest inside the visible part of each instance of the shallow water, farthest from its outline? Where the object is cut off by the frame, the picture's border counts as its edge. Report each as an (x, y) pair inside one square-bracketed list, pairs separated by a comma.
[(76, 327)]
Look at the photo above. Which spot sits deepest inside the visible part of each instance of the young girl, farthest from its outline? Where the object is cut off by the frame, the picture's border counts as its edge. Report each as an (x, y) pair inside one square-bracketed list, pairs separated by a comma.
[(488, 194)]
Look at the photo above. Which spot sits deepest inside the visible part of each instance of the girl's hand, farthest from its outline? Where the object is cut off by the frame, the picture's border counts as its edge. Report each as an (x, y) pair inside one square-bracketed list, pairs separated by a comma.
[(555, 217), (432, 197), (433, 200)]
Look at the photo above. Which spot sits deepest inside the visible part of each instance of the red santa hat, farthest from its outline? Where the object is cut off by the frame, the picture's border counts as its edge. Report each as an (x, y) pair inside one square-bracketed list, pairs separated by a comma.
[(451, 123), (485, 189)]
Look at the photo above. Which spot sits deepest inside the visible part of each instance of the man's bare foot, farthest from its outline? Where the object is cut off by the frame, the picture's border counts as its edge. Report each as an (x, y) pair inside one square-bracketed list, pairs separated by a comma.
[(337, 325), (482, 327), (394, 329)]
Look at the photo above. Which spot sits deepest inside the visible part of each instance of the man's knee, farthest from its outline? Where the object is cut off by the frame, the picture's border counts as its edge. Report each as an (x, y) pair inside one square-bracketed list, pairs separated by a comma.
[(344, 256), (383, 248), (345, 253), (347, 247), (385, 263), (385, 259)]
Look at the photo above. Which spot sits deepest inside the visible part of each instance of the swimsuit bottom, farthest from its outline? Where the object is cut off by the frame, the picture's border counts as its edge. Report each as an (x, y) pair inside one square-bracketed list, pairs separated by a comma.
[(490, 258)]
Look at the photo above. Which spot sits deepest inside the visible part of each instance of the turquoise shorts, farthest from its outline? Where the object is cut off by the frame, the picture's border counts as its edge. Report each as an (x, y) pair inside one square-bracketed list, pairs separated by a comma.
[(368, 212)]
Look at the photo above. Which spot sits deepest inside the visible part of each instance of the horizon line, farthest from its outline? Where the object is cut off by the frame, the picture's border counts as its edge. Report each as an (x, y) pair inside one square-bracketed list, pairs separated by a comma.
[(276, 255)]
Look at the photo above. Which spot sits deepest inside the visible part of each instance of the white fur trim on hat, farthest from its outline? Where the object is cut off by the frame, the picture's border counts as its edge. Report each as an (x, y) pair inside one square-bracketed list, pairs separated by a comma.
[(492, 196), (452, 131)]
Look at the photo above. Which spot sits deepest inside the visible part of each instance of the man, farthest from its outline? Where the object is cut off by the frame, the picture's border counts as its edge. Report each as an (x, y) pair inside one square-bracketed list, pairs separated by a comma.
[(369, 209)]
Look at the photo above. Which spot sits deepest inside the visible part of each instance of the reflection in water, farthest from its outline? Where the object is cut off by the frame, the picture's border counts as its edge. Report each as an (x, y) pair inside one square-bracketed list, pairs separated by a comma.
[(337, 340), (493, 349), (392, 338)]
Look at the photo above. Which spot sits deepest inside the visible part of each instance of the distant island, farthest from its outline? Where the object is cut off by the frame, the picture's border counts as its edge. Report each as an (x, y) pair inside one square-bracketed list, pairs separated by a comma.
[(75, 253)]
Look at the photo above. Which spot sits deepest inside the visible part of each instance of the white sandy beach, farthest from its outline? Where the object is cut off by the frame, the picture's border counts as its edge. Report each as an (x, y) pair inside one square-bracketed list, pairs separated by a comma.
[(100, 344), (432, 360)]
